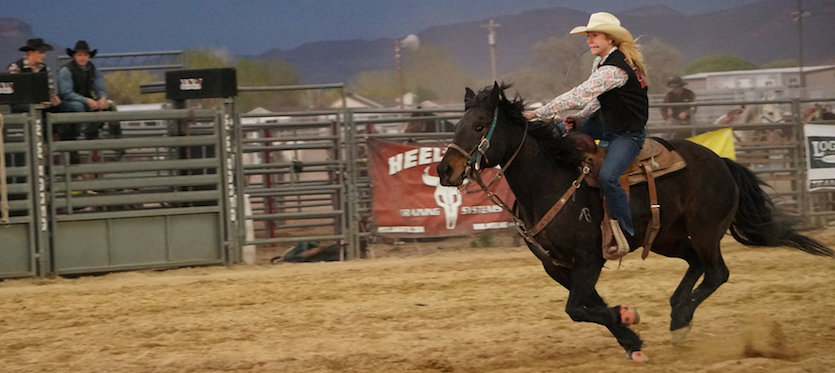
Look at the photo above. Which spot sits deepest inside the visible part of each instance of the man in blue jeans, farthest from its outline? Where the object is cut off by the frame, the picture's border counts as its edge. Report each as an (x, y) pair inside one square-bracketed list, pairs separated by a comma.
[(81, 87)]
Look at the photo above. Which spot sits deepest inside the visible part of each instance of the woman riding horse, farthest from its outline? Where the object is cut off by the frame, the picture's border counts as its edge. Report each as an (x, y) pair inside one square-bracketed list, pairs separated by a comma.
[(615, 109), (698, 205)]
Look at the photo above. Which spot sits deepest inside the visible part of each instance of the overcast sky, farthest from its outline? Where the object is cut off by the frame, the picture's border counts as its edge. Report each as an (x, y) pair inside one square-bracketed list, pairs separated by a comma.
[(255, 26)]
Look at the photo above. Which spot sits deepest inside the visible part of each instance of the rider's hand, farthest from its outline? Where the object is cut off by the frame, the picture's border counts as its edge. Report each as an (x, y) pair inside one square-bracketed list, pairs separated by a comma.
[(530, 115), (570, 121)]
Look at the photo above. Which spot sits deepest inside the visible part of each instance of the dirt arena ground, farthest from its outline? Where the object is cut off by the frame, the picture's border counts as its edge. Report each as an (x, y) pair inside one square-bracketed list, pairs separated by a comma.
[(437, 307)]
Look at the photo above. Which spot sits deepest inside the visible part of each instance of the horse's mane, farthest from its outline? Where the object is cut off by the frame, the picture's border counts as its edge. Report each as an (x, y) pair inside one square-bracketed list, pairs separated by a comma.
[(557, 148)]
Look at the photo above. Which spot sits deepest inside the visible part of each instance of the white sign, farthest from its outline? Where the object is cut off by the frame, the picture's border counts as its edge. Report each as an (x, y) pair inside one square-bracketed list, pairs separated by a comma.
[(820, 161)]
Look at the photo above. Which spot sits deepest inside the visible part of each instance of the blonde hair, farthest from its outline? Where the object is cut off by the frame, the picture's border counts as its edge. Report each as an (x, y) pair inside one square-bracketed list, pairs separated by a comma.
[(635, 57)]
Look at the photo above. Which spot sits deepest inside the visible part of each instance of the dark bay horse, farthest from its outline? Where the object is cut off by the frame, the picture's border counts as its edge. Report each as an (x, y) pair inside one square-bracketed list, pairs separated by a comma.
[(698, 205)]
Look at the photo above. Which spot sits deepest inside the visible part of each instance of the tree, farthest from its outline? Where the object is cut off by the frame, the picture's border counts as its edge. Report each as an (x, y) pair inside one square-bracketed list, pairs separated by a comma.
[(776, 64), (560, 63), (207, 59), (718, 62), (429, 72), (123, 87), (563, 61), (259, 73), (378, 84), (663, 61), (251, 73), (530, 85)]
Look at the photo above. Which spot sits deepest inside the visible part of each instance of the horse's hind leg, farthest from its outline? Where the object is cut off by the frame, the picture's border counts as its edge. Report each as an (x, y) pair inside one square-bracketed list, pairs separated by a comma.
[(684, 302), (681, 315)]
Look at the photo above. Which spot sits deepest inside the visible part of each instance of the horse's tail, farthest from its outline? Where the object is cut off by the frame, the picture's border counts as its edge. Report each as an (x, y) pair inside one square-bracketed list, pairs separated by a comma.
[(757, 221)]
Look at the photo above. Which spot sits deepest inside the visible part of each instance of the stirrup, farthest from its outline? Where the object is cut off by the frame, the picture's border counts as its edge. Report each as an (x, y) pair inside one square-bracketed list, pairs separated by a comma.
[(622, 248)]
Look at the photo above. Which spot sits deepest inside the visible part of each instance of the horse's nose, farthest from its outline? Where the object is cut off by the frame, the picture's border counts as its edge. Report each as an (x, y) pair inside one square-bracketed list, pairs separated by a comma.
[(443, 172)]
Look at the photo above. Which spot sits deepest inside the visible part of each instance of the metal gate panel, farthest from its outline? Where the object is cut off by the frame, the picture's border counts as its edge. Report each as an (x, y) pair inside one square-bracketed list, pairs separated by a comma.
[(138, 202), (291, 169), (17, 257), (18, 237), (200, 245)]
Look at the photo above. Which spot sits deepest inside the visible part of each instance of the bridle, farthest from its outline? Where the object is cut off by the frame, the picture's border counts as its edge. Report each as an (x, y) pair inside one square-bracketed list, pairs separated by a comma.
[(473, 171), (474, 156), (480, 150)]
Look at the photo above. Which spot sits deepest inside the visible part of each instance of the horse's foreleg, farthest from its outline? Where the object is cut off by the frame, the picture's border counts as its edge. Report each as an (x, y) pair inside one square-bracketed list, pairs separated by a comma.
[(561, 275), (584, 304)]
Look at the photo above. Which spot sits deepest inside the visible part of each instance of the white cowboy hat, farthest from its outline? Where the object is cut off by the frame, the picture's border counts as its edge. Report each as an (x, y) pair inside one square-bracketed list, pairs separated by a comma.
[(606, 23)]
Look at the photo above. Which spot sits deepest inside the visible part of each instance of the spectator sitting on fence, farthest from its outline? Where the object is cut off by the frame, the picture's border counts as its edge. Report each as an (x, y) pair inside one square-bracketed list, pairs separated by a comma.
[(680, 115), (35, 50), (82, 89), (309, 251)]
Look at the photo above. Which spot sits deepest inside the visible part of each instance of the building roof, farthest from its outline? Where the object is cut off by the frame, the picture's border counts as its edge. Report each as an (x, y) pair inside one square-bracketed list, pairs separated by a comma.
[(356, 101), (781, 70)]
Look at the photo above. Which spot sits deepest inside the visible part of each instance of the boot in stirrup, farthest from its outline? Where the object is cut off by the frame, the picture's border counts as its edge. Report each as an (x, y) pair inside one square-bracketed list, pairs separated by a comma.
[(622, 248)]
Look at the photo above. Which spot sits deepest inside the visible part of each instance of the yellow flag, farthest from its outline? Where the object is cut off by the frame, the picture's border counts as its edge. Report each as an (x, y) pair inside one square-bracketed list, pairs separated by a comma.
[(720, 141)]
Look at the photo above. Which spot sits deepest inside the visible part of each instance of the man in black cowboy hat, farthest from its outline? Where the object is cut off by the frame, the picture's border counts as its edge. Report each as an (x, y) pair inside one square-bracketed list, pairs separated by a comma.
[(678, 114), (35, 50), (81, 87)]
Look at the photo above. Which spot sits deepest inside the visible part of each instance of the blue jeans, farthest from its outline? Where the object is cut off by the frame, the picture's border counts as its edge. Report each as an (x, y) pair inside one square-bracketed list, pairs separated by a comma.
[(622, 150)]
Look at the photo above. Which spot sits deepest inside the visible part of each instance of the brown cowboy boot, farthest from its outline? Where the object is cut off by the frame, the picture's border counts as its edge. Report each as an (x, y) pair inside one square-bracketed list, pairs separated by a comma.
[(622, 248)]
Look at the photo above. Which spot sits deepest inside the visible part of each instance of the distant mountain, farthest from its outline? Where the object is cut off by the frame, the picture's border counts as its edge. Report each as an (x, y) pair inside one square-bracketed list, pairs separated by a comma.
[(336, 61), (759, 32)]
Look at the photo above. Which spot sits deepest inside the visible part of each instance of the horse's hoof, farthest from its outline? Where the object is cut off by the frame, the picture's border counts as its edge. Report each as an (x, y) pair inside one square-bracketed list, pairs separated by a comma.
[(637, 356), (629, 315), (679, 335)]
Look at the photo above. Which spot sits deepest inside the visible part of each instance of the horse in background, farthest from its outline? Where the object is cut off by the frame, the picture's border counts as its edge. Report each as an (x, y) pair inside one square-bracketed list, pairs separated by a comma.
[(818, 113), (755, 114)]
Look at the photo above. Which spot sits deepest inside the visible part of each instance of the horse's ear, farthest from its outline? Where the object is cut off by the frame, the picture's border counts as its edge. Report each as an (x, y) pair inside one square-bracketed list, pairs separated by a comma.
[(469, 97), (493, 99)]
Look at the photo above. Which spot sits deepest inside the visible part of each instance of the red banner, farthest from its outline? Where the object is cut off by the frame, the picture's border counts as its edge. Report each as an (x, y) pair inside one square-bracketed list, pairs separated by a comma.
[(409, 200)]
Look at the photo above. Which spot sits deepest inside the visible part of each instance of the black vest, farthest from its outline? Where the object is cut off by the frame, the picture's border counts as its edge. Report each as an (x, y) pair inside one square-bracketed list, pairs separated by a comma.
[(20, 66), (624, 108), (82, 81)]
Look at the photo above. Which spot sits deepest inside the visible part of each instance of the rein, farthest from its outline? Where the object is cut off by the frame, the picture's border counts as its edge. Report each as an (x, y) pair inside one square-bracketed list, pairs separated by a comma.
[(474, 172)]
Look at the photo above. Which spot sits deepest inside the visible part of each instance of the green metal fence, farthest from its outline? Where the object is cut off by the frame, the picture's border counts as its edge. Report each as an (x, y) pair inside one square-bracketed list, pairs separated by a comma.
[(19, 231), (175, 195), (141, 202)]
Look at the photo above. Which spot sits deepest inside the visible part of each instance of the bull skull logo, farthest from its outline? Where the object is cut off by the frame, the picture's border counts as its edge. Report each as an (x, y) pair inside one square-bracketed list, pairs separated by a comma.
[(448, 198)]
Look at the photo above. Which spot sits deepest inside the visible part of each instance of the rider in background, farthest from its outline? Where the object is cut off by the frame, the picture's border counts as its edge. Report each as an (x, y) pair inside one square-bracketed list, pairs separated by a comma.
[(678, 115), (615, 108)]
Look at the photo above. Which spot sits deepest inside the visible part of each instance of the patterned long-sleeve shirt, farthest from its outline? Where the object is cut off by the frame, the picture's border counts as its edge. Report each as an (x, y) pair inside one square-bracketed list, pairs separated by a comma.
[(15, 69), (602, 79)]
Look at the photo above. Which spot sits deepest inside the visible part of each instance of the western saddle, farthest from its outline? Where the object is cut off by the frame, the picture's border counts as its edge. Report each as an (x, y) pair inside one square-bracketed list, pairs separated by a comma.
[(655, 159)]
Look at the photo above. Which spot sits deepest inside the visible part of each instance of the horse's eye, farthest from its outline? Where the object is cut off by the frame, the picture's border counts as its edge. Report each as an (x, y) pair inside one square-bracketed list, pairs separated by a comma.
[(479, 128)]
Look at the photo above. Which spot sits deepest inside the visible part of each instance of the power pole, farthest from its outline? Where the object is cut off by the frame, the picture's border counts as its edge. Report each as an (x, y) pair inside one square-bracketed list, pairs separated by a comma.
[(491, 41), (401, 85), (797, 16)]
